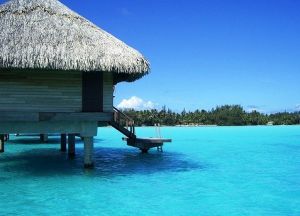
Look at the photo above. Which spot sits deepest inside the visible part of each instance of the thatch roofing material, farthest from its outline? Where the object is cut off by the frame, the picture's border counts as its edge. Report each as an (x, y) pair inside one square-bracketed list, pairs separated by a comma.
[(45, 34)]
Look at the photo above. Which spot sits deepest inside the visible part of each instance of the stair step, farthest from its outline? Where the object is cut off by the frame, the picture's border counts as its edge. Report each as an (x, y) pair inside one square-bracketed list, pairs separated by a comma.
[(122, 129)]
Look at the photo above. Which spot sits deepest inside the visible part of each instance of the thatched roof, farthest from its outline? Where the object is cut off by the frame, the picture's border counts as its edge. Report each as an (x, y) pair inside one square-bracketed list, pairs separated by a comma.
[(45, 34)]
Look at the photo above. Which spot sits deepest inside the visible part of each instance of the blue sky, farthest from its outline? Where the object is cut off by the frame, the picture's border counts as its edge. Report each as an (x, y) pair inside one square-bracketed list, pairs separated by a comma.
[(205, 53)]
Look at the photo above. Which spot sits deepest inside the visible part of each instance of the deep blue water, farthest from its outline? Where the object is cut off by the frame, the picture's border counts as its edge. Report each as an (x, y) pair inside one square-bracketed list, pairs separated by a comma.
[(204, 171)]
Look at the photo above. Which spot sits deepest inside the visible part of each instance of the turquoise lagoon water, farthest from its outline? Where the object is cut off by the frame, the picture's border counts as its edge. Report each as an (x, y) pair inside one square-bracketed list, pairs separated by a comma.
[(205, 171)]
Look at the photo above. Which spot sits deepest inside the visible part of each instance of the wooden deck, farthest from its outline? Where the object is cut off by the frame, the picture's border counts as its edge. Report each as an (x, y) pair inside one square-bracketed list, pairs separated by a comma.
[(144, 144), (125, 125)]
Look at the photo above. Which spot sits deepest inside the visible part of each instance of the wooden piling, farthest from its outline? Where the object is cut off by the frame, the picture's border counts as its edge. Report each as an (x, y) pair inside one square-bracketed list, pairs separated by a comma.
[(44, 138), (88, 152), (71, 145), (6, 137), (144, 150), (63, 142)]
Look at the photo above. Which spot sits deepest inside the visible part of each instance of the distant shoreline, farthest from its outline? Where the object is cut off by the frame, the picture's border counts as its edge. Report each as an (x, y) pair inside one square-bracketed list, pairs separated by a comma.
[(225, 115)]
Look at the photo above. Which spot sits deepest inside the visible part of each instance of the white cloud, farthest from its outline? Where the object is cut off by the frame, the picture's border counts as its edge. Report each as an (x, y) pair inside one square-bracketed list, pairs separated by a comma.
[(136, 103), (298, 107)]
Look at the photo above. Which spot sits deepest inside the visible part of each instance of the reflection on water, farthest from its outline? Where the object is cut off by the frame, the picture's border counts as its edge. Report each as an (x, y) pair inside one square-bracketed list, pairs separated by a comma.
[(108, 161), (123, 161)]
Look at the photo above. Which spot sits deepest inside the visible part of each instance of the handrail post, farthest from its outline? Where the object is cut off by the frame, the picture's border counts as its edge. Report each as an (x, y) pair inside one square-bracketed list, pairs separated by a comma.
[(123, 120)]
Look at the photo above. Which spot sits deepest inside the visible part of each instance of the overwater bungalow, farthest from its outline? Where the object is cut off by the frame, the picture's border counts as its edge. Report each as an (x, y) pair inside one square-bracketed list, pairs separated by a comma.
[(58, 71)]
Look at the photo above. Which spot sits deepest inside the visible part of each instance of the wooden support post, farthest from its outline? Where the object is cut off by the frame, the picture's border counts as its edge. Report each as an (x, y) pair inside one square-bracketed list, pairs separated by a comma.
[(1, 143), (88, 152), (44, 138), (71, 145), (6, 137), (144, 150), (63, 142)]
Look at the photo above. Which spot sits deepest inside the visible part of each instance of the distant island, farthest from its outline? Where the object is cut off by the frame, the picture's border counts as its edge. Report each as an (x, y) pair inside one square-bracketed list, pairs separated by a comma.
[(227, 115)]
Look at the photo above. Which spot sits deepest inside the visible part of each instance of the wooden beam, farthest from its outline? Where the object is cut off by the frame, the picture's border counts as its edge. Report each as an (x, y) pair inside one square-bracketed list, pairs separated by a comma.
[(87, 128), (90, 116), (8, 116)]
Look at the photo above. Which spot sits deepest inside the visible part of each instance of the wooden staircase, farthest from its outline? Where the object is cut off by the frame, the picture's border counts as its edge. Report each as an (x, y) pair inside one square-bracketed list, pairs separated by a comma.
[(125, 125)]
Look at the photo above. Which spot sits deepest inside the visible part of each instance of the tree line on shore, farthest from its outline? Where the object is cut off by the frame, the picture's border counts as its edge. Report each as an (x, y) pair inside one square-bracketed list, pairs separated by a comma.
[(227, 115)]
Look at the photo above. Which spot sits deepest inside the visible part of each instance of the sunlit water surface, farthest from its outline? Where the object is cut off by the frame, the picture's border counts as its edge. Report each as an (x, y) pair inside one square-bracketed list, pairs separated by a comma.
[(204, 171)]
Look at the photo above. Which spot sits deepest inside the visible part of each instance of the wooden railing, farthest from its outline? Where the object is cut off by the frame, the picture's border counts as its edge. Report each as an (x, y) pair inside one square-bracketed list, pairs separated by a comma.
[(124, 121)]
